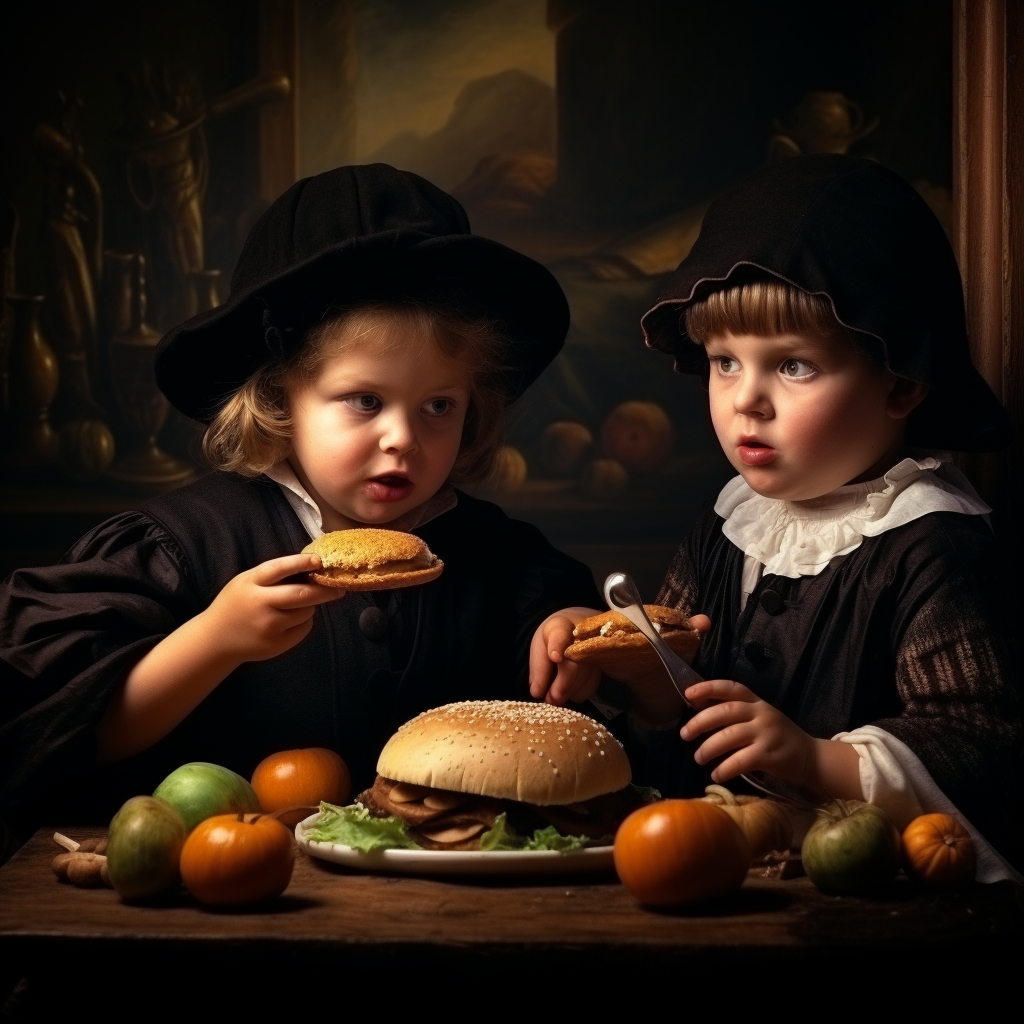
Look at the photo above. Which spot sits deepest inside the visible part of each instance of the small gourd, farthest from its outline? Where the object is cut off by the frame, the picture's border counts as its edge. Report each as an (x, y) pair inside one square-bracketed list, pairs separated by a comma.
[(938, 850), (766, 823)]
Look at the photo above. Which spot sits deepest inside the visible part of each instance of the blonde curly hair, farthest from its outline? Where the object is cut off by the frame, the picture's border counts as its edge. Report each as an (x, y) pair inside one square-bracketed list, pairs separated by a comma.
[(252, 430)]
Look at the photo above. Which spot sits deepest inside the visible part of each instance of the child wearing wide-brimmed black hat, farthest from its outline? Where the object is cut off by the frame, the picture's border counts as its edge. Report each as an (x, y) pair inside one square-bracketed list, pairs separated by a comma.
[(847, 580), (360, 367)]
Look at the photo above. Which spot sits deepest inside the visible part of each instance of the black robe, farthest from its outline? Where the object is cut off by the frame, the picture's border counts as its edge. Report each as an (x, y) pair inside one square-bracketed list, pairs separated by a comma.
[(70, 632), (908, 632)]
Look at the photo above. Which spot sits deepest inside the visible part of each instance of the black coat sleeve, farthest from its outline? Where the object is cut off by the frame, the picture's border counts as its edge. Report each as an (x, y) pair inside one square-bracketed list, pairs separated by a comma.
[(957, 675), (68, 635)]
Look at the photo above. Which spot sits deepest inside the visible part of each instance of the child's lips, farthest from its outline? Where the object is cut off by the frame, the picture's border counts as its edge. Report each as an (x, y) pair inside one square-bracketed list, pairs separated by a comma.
[(389, 487), (756, 453)]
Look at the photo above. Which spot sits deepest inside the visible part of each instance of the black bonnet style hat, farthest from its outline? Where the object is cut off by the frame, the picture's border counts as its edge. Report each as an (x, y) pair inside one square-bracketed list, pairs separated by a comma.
[(850, 230), (348, 235)]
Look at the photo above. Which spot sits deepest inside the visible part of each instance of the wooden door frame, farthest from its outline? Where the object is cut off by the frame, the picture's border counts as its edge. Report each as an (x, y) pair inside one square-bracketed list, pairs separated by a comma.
[(988, 217)]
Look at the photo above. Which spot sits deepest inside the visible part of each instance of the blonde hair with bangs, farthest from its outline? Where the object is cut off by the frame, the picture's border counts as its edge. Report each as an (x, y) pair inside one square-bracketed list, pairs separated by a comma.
[(252, 430), (768, 307)]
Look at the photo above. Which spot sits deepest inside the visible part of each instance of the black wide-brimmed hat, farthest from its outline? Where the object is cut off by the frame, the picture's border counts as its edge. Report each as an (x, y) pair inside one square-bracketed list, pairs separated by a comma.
[(349, 235), (860, 235)]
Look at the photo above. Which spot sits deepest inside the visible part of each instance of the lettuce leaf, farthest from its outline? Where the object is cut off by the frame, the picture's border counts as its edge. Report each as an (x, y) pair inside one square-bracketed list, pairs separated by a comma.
[(550, 838), (501, 836), (354, 826)]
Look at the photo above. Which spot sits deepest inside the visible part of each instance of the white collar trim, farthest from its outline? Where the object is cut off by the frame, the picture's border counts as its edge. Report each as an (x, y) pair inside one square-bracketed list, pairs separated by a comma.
[(800, 538), (308, 512)]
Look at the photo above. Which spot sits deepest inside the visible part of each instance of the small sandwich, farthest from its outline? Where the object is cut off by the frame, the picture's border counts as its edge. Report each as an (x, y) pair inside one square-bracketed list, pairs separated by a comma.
[(373, 560), (610, 641), (490, 775)]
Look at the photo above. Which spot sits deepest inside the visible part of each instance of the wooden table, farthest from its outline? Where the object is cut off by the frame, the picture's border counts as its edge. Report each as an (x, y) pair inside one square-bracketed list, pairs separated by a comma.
[(396, 934)]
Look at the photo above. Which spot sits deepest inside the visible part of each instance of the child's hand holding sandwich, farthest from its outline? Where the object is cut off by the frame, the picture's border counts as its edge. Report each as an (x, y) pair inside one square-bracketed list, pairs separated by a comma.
[(605, 643)]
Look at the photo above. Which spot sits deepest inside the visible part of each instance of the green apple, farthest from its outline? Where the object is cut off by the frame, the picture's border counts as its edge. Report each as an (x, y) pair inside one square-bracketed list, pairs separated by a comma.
[(144, 848), (851, 849), (198, 790)]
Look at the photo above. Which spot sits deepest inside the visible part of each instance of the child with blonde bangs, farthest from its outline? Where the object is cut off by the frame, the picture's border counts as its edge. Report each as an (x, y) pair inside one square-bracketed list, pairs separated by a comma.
[(847, 583), (358, 371), (251, 432)]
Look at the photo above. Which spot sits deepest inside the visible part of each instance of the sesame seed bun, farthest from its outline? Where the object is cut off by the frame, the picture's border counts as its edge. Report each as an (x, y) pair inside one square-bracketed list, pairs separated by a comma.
[(610, 641), (368, 559), (511, 750)]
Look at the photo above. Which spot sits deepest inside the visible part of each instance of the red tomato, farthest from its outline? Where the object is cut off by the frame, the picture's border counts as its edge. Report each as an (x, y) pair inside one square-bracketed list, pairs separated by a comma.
[(675, 852), (232, 859), (300, 779)]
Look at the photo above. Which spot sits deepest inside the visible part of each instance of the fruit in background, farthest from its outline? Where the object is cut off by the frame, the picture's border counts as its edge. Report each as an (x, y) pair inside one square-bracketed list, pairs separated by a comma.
[(604, 478), (509, 472), (676, 852), (852, 848), (639, 435), (766, 823), (233, 859), (144, 846), (564, 445), (938, 850), (300, 779), (199, 790)]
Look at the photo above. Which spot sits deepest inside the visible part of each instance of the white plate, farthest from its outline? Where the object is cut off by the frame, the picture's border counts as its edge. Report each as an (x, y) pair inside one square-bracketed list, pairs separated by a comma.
[(459, 862)]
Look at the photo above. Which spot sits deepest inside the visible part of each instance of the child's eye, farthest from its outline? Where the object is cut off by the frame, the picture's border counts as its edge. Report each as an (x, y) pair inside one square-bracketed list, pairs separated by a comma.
[(364, 403), (796, 368), (725, 364), (439, 406)]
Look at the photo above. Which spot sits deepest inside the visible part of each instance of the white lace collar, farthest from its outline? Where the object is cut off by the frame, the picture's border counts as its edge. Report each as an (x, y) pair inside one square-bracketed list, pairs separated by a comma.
[(308, 513), (799, 538)]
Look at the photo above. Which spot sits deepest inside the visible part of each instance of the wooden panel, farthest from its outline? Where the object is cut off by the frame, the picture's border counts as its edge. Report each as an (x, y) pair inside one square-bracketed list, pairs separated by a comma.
[(1012, 489), (988, 192), (279, 135)]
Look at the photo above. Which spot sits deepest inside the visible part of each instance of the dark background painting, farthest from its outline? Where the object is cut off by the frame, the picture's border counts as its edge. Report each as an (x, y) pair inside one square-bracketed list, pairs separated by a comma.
[(590, 134)]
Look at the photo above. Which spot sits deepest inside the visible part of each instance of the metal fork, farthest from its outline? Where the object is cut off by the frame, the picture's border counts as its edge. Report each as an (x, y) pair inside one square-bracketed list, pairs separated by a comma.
[(621, 594)]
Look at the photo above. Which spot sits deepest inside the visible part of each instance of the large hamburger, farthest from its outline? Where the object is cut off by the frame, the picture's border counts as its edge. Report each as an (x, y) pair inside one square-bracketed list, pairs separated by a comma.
[(493, 775)]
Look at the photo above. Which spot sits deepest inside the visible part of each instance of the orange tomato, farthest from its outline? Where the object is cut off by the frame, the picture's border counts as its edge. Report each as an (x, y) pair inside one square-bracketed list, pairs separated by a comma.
[(676, 852), (938, 850), (300, 779), (233, 859)]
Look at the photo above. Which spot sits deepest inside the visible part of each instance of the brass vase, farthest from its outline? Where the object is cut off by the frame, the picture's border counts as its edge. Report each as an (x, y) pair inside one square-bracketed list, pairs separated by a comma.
[(118, 291), (32, 379), (143, 406)]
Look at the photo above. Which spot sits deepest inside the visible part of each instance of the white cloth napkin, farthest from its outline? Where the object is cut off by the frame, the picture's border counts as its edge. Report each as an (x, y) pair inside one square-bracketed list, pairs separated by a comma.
[(894, 779)]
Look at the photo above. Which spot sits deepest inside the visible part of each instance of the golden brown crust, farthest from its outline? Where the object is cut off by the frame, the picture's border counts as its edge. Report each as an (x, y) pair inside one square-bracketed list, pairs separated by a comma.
[(593, 624), (371, 559), (622, 646), (376, 581), (511, 750)]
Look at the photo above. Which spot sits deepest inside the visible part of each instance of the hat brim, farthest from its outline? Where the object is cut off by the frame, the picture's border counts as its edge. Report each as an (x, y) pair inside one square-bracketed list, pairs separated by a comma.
[(960, 412), (203, 361)]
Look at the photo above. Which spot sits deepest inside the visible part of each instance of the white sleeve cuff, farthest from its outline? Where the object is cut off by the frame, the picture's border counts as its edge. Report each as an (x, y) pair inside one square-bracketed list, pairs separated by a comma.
[(893, 778)]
